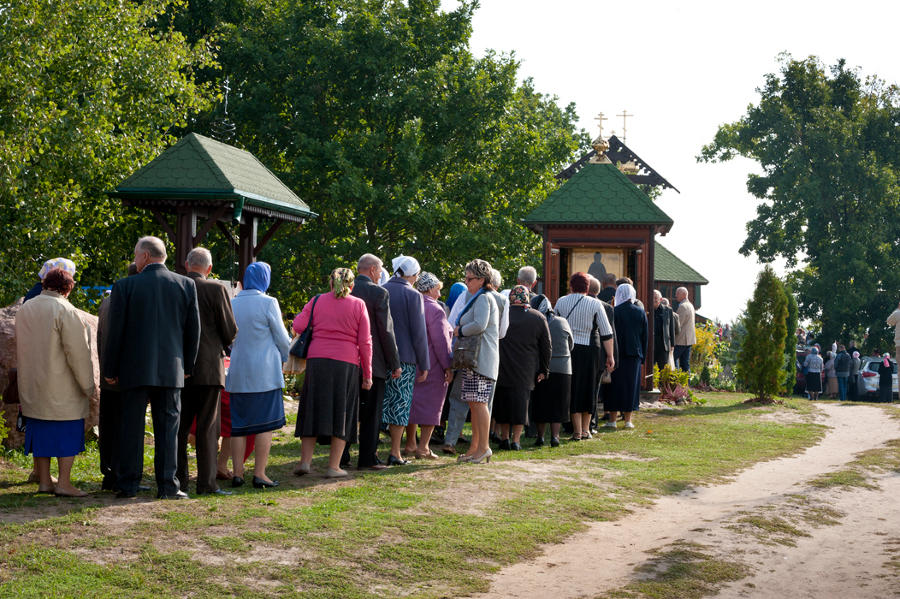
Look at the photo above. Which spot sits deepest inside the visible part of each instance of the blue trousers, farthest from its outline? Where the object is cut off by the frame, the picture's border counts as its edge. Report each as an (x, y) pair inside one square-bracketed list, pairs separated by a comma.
[(682, 356), (842, 387)]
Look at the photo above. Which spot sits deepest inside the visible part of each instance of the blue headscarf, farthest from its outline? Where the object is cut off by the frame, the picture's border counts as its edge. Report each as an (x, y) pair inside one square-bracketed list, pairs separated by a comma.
[(257, 276), (456, 290)]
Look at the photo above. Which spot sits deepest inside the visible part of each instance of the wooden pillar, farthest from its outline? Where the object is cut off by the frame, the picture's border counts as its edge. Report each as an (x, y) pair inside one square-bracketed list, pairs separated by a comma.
[(648, 286), (246, 243), (185, 229)]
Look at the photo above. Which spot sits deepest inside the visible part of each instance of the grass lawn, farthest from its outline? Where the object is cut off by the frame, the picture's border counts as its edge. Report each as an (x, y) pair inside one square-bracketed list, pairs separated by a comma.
[(431, 529)]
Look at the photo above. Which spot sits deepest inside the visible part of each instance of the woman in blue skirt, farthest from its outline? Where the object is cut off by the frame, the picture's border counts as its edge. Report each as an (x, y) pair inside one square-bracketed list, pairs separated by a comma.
[(631, 333), (56, 380), (255, 382)]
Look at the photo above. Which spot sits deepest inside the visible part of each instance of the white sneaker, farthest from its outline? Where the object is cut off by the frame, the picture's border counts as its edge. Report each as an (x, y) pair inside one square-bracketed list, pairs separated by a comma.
[(629, 425), (610, 424)]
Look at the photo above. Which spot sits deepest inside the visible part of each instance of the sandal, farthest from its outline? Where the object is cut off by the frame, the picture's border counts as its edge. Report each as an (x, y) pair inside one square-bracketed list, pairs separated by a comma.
[(426, 456)]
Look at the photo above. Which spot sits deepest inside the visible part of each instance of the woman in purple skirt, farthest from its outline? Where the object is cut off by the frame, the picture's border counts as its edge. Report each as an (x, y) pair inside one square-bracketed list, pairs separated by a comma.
[(428, 395)]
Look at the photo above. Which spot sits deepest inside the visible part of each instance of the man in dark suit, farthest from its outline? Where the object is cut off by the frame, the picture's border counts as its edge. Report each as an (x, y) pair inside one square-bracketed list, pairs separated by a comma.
[(664, 322), (152, 341), (608, 292), (110, 412), (385, 358), (200, 396)]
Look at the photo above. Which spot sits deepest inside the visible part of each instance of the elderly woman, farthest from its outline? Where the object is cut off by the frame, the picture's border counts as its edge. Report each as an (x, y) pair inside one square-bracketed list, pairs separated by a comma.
[(480, 318), (338, 363), (584, 313), (631, 334), (254, 382), (428, 395), (408, 313), (551, 396), (524, 361), (813, 365), (831, 387), (56, 380)]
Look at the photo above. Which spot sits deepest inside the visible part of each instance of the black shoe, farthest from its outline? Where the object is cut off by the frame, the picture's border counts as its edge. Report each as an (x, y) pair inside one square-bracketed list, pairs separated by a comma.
[(393, 461), (496, 439), (125, 495), (515, 446), (554, 442), (175, 495), (503, 443), (236, 482), (259, 483), (108, 484), (539, 442)]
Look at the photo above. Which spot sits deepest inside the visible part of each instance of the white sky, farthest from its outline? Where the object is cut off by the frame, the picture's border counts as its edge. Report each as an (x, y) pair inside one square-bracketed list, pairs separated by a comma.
[(683, 69)]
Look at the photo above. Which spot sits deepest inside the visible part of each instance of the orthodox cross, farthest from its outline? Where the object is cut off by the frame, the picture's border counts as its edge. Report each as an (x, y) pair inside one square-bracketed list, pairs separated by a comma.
[(600, 118), (624, 116)]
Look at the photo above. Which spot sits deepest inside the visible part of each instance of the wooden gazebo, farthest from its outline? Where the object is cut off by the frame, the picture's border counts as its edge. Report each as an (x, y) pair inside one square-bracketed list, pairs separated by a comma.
[(206, 183)]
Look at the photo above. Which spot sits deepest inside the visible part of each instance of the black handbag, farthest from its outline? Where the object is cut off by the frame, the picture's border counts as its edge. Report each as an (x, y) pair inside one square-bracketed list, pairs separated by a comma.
[(300, 347), (467, 349), (20, 422)]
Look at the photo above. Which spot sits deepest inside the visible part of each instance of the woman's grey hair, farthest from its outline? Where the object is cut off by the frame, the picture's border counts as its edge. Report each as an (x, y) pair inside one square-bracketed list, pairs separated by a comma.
[(480, 269), (199, 257), (496, 279), (527, 275)]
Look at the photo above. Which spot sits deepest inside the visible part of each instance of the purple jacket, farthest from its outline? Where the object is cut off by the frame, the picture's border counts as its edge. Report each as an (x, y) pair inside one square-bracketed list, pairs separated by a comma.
[(408, 313)]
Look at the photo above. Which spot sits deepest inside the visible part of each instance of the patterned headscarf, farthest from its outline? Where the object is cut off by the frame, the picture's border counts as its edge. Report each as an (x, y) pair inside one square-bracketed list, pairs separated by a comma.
[(426, 281), (519, 295), (341, 281), (257, 276), (625, 293), (63, 263)]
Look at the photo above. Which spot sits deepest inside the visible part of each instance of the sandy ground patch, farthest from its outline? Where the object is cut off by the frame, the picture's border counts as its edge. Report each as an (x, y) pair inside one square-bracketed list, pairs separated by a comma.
[(603, 558)]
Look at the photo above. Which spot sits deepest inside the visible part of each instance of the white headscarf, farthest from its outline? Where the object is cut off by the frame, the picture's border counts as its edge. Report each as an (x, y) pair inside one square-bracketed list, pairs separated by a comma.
[(625, 293), (405, 266), (384, 276)]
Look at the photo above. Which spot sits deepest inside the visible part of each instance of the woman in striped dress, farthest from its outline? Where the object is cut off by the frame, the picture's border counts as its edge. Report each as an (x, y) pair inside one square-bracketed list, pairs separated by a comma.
[(583, 313)]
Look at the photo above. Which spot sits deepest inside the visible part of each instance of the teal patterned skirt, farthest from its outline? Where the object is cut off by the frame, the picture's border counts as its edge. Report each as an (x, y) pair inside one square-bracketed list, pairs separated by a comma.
[(398, 395)]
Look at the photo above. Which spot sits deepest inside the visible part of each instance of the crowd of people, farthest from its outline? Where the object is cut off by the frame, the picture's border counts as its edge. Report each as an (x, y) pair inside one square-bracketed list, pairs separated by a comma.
[(382, 354)]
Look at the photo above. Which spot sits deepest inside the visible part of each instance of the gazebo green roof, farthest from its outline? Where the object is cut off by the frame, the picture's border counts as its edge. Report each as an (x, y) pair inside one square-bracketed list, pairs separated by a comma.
[(669, 267), (598, 194), (203, 170)]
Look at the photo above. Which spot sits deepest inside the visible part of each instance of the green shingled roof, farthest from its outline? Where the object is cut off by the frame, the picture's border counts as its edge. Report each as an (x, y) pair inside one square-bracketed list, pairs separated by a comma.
[(598, 194), (669, 267), (203, 169)]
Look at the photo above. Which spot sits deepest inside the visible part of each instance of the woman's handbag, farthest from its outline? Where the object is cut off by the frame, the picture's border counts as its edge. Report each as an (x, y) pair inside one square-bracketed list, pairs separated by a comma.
[(294, 365), (466, 349), (465, 352), (300, 347)]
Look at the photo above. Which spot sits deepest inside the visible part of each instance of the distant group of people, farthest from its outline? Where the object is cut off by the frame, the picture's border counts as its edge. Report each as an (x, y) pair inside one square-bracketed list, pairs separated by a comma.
[(384, 353)]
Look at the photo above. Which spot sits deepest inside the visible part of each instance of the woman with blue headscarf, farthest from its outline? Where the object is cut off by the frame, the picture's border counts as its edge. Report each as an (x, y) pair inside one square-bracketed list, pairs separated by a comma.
[(255, 381)]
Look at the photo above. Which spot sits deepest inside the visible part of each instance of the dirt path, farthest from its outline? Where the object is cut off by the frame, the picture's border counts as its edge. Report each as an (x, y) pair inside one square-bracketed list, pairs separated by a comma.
[(848, 557)]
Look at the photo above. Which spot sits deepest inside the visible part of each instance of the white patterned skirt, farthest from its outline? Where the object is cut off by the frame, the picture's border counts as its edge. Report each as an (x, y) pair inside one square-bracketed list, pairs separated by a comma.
[(476, 388)]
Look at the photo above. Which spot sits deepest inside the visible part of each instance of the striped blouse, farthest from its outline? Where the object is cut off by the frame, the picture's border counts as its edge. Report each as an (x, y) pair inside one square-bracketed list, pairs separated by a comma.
[(582, 311)]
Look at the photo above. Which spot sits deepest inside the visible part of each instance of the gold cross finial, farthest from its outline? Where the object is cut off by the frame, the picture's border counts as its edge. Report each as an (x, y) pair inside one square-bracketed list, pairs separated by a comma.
[(624, 116), (600, 118)]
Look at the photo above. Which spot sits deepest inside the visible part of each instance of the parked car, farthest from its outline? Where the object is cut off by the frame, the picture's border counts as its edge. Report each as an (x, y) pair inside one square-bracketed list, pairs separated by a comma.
[(869, 378)]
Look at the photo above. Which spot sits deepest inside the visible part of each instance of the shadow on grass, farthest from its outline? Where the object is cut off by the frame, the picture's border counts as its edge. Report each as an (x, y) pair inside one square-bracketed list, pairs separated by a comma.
[(708, 410)]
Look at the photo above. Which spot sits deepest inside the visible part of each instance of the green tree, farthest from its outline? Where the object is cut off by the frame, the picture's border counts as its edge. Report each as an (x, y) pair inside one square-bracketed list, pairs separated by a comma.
[(829, 150), (761, 357), (379, 117), (790, 341), (89, 91)]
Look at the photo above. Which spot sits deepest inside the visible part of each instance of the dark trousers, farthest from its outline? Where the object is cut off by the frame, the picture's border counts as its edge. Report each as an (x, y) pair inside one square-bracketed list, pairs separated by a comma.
[(661, 357), (109, 420), (370, 404), (165, 407), (200, 402), (852, 387), (683, 357)]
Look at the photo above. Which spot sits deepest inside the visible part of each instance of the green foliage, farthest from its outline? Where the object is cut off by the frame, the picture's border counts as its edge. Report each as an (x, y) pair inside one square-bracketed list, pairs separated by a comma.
[(4, 431), (705, 353), (790, 342), (829, 150), (380, 118), (89, 92), (673, 384), (761, 357)]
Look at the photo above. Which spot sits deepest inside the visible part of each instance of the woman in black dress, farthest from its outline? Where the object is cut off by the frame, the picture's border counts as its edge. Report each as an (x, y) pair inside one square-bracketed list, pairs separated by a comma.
[(886, 380)]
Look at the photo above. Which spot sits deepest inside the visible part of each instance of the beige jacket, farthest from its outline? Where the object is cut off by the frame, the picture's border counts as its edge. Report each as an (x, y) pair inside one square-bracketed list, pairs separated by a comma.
[(894, 321), (56, 373), (686, 334)]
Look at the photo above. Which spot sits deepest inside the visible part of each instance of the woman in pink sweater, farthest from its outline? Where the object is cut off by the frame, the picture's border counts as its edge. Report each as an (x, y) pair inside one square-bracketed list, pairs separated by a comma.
[(339, 361)]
